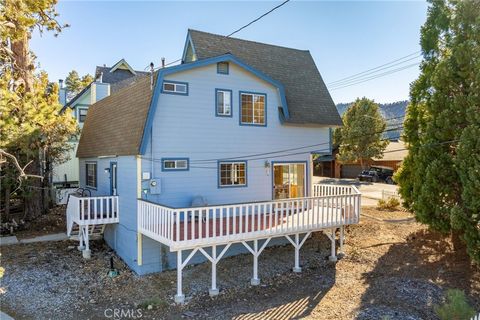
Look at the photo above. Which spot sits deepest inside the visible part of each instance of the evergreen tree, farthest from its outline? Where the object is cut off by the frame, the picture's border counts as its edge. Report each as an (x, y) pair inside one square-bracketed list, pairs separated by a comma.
[(75, 84), (32, 130), (360, 138), (440, 178)]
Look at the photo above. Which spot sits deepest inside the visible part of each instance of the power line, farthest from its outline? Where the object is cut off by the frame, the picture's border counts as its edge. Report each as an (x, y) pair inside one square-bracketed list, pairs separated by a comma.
[(292, 149), (374, 77), (367, 74), (253, 21), (260, 156), (383, 65), (231, 34)]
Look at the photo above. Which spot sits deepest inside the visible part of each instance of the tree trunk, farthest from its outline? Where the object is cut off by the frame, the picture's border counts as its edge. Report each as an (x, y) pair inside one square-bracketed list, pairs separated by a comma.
[(457, 242), (34, 201), (23, 63)]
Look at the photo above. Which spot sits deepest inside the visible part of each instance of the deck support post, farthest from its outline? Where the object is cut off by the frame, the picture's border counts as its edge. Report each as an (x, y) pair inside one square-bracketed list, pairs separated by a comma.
[(342, 239), (255, 280), (214, 259), (297, 244), (332, 236), (86, 251), (81, 246), (139, 249), (297, 268), (180, 297), (214, 290), (255, 251)]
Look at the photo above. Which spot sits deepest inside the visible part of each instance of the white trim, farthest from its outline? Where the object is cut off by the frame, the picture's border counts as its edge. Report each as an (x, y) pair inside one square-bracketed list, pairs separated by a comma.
[(120, 63), (175, 89)]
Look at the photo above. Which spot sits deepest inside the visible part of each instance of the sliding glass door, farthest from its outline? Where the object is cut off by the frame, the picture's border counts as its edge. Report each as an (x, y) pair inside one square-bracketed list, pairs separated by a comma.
[(289, 180)]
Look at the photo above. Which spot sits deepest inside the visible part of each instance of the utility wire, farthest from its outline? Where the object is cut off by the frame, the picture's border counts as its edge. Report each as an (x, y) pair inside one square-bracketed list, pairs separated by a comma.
[(371, 73), (292, 149), (383, 65), (260, 156), (231, 34), (253, 21), (374, 77)]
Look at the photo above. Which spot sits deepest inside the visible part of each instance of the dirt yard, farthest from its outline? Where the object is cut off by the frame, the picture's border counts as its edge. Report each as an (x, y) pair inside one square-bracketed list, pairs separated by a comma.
[(394, 268)]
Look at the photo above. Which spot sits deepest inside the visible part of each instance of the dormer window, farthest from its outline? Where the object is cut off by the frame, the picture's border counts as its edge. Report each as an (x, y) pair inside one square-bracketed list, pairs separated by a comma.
[(174, 87), (222, 68)]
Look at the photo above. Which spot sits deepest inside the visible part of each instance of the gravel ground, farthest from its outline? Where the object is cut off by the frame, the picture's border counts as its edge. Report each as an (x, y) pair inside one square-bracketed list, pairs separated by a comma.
[(395, 270)]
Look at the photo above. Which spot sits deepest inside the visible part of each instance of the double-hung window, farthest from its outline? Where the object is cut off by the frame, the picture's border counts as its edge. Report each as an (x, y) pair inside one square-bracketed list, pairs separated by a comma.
[(232, 174), (82, 114), (175, 87), (178, 164), (252, 109), (91, 174), (223, 102)]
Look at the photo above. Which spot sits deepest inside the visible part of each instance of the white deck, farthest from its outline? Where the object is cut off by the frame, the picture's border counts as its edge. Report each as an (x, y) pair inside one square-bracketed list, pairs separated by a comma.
[(195, 229), (89, 212)]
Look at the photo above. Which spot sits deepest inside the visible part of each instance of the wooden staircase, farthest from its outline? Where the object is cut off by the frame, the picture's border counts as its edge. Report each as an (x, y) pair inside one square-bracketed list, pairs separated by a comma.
[(95, 232), (87, 218)]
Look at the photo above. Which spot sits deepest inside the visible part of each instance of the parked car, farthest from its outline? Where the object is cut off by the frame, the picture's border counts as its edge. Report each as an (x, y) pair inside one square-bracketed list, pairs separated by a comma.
[(377, 174)]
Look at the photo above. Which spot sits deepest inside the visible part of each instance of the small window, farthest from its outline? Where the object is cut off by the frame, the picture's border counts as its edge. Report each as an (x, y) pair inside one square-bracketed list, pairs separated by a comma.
[(232, 174), (222, 67), (175, 87), (174, 164), (91, 174), (252, 109), (224, 102), (82, 115)]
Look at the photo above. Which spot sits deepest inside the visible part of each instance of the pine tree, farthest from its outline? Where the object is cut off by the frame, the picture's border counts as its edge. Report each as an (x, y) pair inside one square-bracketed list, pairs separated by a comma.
[(32, 130), (360, 138), (440, 178)]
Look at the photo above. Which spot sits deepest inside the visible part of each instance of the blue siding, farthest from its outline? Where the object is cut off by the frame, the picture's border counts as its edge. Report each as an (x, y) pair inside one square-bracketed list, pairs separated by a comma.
[(122, 237), (184, 126)]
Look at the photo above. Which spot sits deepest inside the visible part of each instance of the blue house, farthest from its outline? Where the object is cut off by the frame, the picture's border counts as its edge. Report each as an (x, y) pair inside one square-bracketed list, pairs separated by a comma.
[(211, 157)]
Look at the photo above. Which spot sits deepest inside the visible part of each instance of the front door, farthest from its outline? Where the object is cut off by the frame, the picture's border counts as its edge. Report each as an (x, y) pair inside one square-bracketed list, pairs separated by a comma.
[(289, 180), (113, 179)]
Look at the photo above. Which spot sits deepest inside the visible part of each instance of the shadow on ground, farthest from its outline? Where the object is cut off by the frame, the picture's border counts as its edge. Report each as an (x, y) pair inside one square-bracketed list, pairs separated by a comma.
[(270, 300), (411, 278)]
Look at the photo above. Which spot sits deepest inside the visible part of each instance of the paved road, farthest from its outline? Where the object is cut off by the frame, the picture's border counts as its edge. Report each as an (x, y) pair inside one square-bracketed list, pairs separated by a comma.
[(371, 192)]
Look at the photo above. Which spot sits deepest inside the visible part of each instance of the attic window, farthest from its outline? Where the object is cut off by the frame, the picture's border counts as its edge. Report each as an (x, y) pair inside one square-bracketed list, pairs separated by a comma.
[(174, 87), (222, 67)]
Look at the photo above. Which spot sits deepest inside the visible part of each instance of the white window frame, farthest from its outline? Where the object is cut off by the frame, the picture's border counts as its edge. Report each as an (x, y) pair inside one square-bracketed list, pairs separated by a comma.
[(226, 103), (176, 85), (95, 174), (233, 174), (80, 115), (253, 95), (176, 162)]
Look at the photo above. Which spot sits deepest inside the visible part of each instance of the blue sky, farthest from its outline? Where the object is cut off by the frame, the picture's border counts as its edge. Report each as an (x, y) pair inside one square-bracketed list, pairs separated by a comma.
[(344, 37)]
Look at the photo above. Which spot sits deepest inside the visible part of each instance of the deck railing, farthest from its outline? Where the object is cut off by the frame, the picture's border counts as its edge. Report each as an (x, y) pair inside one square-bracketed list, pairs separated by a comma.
[(92, 210), (331, 206)]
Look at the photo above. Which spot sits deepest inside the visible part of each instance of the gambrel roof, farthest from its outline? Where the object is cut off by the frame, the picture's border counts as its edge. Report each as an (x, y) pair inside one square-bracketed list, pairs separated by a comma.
[(118, 124), (308, 99)]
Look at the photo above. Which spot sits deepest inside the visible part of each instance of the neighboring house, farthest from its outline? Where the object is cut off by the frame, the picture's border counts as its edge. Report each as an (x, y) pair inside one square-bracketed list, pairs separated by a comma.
[(328, 166), (107, 80), (217, 152)]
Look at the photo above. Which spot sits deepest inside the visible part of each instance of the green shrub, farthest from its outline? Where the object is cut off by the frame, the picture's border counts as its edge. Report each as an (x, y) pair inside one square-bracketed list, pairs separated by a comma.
[(389, 204), (456, 307)]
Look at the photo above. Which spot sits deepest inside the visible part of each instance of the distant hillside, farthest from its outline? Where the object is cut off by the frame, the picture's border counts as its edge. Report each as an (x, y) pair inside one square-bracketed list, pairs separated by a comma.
[(388, 111)]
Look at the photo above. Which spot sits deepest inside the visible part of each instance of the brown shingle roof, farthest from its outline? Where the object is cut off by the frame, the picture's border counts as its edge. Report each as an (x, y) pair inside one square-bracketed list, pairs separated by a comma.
[(308, 99), (114, 125)]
